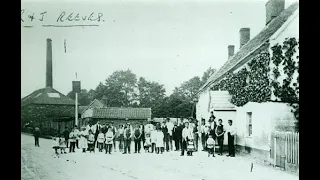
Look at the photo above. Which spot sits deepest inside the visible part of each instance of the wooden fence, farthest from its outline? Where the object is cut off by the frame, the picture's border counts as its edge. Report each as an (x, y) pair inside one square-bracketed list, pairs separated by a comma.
[(285, 150)]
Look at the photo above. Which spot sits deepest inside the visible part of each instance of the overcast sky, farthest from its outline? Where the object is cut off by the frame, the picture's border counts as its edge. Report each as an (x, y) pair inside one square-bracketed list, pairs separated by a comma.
[(165, 41)]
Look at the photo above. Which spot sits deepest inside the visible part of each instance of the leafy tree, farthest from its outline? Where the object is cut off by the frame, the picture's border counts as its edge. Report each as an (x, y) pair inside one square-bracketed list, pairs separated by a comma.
[(120, 88), (206, 75), (83, 98)]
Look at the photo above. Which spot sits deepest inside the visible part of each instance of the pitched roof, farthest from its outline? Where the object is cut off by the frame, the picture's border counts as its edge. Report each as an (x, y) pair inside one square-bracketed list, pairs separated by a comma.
[(220, 100), (240, 57), (94, 104), (81, 108), (122, 113), (46, 95)]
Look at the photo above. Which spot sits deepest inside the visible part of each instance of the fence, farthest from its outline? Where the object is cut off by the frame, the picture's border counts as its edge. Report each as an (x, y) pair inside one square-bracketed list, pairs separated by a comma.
[(285, 150)]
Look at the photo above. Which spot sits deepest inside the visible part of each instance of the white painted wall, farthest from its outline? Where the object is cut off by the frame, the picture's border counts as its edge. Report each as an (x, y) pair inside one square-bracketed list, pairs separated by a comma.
[(202, 107), (266, 117)]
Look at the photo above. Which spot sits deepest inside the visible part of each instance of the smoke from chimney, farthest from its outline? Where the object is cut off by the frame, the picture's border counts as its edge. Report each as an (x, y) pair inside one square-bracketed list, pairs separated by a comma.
[(244, 36), (230, 51), (273, 9), (49, 63)]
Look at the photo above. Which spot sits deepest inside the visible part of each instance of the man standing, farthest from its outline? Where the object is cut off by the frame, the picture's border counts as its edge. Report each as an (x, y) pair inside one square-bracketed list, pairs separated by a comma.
[(72, 139), (175, 137), (164, 129), (137, 139), (231, 134), (170, 128), (179, 133), (66, 135), (114, 130), (36, 135), (97, 127), (220, 135), (127, 138), (185, 134), (196, 134), (76, 132), (212, 127), (203, 134)]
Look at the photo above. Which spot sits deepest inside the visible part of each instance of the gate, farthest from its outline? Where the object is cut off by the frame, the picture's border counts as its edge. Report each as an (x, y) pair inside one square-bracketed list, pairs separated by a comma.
[(285, 150)]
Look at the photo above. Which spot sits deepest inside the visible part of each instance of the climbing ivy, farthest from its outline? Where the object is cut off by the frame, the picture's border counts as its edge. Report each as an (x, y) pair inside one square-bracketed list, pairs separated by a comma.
[(257, 82)]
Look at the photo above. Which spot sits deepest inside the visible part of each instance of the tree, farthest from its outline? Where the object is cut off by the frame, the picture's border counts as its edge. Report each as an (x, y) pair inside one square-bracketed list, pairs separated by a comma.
[(206, 75), (189, 88), (151, 94), (120, 88), (83, 98)]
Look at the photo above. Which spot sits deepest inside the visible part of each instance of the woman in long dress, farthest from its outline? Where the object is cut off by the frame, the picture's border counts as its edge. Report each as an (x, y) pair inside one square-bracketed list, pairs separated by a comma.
[(190, 140), (159, 141), (83, 139)]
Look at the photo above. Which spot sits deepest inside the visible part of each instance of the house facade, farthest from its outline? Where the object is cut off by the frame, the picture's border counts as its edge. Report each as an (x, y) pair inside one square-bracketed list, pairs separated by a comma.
[(260, 81), (48, 109)]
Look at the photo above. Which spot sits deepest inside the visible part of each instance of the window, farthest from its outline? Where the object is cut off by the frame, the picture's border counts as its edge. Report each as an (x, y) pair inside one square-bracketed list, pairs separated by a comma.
[(249, 123)]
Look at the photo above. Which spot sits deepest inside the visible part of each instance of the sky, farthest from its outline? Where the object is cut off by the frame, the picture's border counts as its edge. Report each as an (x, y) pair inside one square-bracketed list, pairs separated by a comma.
[(164, 41)]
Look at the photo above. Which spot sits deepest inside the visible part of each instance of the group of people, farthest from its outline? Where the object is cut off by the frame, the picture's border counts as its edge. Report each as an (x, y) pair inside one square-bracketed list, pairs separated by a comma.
[(154, 138), (214, 133)]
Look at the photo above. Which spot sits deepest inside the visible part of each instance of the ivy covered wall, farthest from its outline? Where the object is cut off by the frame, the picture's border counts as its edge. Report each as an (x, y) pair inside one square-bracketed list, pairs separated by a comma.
[(267, 77)]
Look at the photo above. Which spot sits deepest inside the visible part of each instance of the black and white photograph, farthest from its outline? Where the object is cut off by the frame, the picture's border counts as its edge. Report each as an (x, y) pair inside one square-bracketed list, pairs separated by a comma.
[(160, 90)]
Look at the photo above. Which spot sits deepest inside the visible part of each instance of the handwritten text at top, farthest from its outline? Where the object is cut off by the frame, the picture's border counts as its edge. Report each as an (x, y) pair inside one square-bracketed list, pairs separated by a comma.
[(62, 17)]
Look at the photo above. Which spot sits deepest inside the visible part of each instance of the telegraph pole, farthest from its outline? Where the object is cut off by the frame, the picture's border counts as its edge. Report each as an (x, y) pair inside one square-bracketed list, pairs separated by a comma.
[(76, 89)]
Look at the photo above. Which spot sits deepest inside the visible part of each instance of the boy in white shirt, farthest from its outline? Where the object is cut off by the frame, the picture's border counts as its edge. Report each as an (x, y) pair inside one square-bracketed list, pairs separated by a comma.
[(210, 145), (231, 134), (100, 140)]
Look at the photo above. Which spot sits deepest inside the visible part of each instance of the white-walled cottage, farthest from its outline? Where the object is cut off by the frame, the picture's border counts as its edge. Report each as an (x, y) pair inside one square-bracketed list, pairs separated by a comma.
[(256, 83)]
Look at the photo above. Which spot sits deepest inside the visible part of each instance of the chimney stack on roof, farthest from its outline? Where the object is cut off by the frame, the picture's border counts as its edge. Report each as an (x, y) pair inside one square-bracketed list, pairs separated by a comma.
[(273, 9), (230, 51), (244, 36), (49, 64)]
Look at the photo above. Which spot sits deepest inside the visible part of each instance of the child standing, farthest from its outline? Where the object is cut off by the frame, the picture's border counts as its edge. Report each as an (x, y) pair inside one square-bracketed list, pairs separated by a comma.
[(210, 145), (153, 139), (91, 141), (159, 141), (109, 140), (62, 144), (147, 143), (100, 140), (55, 145)]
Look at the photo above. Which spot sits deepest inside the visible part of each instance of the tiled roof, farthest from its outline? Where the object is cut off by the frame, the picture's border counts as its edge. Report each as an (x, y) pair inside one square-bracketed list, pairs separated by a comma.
[(46, 95), (240, 57), (122, 113), (81, 108)]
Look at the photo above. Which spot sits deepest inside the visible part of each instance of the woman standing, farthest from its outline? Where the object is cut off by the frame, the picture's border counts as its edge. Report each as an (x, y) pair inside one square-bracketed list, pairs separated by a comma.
[(83, 139), (190, 140), (109, 140)]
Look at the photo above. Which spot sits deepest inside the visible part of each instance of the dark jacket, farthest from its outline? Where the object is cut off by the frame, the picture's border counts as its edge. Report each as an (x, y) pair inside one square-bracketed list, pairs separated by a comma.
[(36, 133), (179, 131), (165, 131), (175, 132), (66, 134)]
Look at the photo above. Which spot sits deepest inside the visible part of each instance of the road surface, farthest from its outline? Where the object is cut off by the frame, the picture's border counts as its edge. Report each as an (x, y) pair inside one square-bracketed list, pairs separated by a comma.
[(41, 163)]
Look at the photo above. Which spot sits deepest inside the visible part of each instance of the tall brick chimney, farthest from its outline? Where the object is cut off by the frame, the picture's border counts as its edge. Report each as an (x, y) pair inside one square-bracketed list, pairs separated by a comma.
[(49, 64), (273, 9), (244, 36), (230, 51)]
